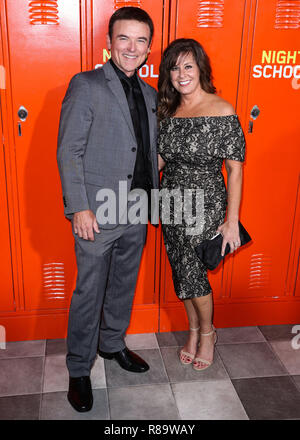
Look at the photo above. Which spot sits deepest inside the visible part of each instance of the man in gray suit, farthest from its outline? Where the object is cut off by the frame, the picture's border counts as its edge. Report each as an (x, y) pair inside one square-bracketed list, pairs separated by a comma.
[(107, 147)]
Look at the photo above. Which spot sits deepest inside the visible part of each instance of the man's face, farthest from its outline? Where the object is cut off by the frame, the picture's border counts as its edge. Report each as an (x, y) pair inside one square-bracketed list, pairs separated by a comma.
[(129, 44)]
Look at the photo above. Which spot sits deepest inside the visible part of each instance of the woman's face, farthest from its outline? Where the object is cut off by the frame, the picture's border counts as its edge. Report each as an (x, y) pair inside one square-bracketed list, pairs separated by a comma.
[(185, 75)]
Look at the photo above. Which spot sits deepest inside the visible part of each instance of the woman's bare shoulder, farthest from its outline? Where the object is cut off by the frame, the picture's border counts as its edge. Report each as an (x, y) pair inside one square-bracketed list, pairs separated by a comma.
[(222, 107)]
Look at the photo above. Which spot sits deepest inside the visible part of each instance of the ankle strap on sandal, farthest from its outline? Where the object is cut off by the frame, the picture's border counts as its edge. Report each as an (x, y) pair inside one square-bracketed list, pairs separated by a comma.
[(209, 333), (194, 329)]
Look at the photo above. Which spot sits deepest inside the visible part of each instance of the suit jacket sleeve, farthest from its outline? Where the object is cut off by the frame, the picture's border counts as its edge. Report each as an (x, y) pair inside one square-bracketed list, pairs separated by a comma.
[(75, 122)]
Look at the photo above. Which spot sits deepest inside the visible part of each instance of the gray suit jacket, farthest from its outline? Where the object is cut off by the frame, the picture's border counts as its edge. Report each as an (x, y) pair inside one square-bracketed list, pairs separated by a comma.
[(96, 141)]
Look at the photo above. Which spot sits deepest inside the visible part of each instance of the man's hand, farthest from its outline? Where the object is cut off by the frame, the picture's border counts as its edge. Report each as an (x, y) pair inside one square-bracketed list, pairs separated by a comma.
[(84, 224)]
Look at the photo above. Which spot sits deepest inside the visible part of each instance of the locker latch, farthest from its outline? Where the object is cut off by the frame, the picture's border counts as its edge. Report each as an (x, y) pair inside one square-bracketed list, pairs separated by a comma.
[(253, 114), (22, 113)]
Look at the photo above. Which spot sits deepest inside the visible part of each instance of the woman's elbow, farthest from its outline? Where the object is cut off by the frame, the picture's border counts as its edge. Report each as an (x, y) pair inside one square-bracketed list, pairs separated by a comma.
[(235, 170)]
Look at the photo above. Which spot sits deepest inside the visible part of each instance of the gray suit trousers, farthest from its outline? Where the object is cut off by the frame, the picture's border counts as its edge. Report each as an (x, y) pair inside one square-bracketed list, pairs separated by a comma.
[(102, 300)]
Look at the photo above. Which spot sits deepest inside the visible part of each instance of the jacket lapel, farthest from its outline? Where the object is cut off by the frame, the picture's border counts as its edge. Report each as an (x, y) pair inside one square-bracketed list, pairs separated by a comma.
[(116, 88)]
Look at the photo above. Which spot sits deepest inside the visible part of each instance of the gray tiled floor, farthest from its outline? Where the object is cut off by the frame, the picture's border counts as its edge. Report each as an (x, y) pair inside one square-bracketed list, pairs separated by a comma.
[(255, 375)]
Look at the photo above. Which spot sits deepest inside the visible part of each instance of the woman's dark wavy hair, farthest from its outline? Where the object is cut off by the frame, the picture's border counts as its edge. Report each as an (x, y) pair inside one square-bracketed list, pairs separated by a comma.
[(168, 97)]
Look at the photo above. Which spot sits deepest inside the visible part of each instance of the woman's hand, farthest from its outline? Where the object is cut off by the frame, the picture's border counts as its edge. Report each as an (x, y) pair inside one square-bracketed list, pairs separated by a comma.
[(231, 235), (161, 162)]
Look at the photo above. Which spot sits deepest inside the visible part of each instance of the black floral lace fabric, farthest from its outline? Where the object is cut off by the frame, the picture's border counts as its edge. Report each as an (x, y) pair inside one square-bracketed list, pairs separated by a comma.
[(194, 150)]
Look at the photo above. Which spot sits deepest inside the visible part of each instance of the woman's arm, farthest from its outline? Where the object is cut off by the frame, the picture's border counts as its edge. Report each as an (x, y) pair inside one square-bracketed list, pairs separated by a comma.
[(161, 163), (230, 228)]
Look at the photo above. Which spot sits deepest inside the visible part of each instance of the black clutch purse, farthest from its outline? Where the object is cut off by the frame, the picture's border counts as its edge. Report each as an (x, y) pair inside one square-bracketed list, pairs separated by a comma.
[(209, 251)]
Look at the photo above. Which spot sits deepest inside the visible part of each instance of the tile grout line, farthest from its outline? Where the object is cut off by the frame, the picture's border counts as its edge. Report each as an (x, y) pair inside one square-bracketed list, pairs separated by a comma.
[(295, 383), (169, 382), (106, 389), (231, 379), (278, 358), (224, 366), (273, 351), (43, 377), (261, 332)]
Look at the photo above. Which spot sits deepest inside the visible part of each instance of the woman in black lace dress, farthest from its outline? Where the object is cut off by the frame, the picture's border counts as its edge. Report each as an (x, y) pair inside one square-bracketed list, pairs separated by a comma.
[(198, 131)]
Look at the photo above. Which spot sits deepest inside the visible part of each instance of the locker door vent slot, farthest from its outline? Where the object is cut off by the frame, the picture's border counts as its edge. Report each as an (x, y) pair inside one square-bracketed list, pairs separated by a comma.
[(210, 13), (54, 281), (287, 14), (43, 12), (260, 270), (120, 3)]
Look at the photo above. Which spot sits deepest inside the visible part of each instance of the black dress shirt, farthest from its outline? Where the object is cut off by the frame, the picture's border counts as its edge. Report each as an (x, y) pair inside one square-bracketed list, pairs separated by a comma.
[(142, 169)]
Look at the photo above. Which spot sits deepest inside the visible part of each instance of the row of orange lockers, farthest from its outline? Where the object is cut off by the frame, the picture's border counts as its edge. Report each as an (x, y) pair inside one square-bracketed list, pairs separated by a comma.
[(255, 60)]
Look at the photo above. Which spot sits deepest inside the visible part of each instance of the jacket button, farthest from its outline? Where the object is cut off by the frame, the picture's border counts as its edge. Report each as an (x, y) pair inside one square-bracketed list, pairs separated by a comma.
[(133, 149), (129, 176)]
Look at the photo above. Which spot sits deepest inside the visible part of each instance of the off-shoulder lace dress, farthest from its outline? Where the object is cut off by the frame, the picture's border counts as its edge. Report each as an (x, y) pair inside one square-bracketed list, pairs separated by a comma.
[(194, 150)]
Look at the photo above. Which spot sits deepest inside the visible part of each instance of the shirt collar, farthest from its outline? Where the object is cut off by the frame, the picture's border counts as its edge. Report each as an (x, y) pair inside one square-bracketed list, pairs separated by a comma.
[(122, 75)]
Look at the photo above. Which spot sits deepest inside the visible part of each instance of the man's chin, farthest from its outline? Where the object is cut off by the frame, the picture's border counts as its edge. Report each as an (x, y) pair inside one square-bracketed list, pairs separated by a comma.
[(135, 69)]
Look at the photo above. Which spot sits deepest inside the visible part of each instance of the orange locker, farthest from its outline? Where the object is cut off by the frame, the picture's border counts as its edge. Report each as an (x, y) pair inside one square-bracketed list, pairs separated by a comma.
[(264, 275), (7, 303), (256, 65), (216, 26), (41, 54)]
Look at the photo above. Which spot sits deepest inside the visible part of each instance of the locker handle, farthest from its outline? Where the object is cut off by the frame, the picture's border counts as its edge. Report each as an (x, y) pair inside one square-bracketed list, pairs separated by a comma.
[(22, 113), (250, 127), (255, 112)]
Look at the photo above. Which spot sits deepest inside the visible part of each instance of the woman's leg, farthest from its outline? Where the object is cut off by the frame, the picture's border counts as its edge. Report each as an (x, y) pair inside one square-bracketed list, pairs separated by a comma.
[(203, 306), (193, 338)]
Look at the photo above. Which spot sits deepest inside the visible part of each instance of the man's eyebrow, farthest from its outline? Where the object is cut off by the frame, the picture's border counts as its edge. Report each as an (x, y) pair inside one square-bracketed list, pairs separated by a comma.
[(126, 36)]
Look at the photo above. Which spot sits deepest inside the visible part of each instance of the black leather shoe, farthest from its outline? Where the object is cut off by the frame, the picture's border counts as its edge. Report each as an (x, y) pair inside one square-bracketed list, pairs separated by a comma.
[(80, 393), (128, 360)]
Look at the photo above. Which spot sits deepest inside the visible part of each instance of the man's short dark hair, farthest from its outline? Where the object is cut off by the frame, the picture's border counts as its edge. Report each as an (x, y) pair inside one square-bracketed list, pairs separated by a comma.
[(130, 13)]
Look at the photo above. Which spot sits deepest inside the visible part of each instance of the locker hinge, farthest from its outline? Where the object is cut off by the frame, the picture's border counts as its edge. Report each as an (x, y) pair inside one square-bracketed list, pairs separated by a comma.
[(2, 78)]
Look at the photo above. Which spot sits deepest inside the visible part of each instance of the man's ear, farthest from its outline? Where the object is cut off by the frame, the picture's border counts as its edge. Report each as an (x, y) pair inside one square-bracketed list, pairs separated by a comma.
[(108, 42)]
